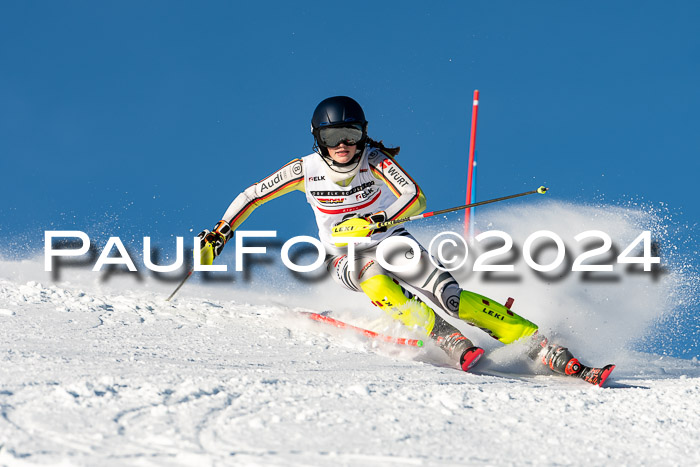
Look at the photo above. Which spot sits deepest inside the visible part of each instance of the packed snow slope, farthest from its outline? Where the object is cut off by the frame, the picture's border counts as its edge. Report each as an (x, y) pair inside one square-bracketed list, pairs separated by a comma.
[(114, 378), (106, 372)]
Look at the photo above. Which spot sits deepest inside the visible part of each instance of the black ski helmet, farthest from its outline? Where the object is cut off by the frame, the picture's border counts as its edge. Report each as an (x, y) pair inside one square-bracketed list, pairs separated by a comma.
[(338, 111)]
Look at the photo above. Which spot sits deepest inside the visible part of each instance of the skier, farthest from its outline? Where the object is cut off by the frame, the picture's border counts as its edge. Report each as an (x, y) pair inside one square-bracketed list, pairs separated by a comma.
[(352, 180)]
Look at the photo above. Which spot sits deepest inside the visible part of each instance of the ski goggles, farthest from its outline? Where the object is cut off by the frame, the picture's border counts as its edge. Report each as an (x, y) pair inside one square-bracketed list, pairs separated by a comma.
[(333, 136)]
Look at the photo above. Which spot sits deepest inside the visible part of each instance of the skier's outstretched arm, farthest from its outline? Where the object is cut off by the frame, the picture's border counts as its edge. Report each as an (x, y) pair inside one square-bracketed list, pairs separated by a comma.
[(288, 178)]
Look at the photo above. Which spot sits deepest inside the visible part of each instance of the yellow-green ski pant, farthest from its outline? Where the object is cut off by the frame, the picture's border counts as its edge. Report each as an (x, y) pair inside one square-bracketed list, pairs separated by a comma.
[(387, 294), (385, 290)]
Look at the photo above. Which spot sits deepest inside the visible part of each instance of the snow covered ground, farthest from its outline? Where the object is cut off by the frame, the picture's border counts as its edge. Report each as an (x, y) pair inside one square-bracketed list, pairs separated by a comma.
[(92, 374), (103, 371)]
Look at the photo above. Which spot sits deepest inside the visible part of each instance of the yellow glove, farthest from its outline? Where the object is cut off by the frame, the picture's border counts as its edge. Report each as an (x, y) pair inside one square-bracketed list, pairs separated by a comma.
[(207, 254), (357, 227)]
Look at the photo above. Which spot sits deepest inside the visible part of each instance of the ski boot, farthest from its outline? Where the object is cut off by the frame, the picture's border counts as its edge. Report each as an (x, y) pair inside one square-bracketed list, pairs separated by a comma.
[(455, 344), (596, 376), (561, 361)]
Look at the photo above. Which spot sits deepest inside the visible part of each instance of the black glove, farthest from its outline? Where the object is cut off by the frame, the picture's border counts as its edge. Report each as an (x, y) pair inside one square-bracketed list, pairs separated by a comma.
[(377, 217), (212, 243)]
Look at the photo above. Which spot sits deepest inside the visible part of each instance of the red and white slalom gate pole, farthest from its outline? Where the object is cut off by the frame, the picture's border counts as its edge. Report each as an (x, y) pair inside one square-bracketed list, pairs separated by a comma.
[(470, 169)]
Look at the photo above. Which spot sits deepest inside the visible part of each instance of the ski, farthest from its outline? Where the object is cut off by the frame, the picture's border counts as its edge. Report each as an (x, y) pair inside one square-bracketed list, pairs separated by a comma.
[(595, 376), (366, 332)]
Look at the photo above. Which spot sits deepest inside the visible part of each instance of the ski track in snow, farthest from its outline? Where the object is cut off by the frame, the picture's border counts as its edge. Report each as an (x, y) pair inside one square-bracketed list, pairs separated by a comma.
[(122, 377)]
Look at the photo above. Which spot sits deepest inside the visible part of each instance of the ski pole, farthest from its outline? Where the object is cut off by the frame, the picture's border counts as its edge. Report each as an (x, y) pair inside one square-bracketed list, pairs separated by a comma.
[(181, 284), (378, 225)]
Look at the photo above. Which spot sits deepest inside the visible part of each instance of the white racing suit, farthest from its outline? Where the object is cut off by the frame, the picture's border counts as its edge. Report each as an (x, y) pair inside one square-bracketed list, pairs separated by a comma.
[(378, 184)]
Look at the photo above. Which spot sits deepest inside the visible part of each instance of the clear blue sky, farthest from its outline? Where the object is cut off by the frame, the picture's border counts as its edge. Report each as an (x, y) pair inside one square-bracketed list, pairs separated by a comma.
[(148, 118)]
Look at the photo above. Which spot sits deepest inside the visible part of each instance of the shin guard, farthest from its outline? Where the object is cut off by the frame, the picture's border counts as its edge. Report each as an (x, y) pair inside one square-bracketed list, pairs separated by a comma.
[(492, 317)]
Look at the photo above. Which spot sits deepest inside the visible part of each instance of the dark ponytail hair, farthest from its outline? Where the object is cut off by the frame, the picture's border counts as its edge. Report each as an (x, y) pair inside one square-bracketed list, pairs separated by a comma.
[(392, 152)]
